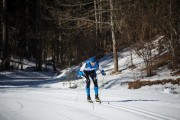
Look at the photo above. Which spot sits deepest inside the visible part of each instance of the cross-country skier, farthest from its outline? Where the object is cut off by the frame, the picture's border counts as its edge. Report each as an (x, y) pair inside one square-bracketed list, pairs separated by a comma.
[(88, 70)]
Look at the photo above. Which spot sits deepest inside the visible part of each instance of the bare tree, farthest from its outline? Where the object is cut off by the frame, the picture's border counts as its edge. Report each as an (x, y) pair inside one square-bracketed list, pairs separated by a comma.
[(96, 20), (113, 37), (174, 37), (5, 65)]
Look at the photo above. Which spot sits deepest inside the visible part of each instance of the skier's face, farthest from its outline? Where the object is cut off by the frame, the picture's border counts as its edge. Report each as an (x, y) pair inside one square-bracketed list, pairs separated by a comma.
[(93, 63)]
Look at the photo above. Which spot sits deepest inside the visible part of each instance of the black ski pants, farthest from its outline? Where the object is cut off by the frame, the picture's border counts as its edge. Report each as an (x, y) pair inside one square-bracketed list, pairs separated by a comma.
[(92, 75)]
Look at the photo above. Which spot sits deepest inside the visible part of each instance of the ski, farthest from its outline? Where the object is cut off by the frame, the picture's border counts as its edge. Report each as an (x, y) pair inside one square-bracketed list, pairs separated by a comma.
[(98, 101), (90, 101)]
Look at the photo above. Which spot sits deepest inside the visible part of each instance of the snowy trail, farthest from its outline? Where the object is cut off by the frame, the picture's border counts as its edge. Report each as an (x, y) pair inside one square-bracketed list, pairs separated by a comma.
[(141, 112), (68, 104)]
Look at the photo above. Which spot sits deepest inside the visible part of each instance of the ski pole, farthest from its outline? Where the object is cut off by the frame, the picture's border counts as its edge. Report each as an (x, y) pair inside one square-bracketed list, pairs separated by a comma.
[(78, 91), (101, 86)]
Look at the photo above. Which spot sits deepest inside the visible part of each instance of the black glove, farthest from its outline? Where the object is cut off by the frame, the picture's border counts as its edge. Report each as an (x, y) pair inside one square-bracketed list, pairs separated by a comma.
[(103, 72)]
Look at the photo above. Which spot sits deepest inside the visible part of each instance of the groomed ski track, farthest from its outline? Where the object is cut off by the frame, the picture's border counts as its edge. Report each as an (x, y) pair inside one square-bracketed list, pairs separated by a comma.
[(46, 104)]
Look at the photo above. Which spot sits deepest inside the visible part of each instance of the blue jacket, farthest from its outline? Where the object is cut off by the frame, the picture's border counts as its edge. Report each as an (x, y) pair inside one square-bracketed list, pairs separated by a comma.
[(88, 67)]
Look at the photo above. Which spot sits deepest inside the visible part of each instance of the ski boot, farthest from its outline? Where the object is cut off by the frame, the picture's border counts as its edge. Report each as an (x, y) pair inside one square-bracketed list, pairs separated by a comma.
[(97, 99), (89, 99)]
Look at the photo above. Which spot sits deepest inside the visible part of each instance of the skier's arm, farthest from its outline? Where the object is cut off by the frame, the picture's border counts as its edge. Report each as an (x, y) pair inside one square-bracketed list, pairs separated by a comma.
[(83, 67), (101, 70), (100, 67)]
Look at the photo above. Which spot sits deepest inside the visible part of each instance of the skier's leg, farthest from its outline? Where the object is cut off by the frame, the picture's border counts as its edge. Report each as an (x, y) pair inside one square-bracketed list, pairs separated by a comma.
[(88, 82), (96, 88), (88, 87)]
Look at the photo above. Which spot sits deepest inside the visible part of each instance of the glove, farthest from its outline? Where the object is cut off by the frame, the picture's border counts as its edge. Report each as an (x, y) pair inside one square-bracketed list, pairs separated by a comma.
[(103, 73), (80, 73), (83, 74)]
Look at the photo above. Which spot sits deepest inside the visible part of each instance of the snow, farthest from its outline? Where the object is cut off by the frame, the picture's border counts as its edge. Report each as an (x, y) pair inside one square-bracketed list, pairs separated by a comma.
[(43, 96), (70, 104)]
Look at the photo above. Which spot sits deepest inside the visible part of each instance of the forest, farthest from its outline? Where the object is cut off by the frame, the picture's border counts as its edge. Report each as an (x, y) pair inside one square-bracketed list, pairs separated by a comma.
[(67, 32)]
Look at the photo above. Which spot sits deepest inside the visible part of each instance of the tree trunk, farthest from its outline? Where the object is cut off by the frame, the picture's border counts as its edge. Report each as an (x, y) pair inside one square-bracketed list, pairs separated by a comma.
[(39, 37), (5, 65), (53, 60), (96, 22), (100, 33), (113, 37), (26, 30)]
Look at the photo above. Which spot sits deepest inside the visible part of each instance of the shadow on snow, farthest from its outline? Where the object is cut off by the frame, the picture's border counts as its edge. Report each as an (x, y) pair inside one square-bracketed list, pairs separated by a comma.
[(132, 100)]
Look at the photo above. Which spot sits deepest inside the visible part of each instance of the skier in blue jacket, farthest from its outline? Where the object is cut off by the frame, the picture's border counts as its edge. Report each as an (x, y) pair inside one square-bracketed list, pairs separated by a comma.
[(88, 70)]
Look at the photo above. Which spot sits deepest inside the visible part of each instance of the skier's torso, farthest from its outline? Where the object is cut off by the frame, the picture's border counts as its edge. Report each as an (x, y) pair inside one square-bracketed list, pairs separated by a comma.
[(89, 67)]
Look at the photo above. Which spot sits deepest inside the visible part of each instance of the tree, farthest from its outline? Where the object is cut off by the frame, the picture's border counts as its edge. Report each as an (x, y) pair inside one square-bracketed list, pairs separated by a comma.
[(173, 33), (72, 31), (5, 64), (113, 37)]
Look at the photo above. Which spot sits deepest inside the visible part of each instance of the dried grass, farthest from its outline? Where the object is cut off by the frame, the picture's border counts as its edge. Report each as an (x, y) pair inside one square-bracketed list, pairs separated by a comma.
[(139, 83)]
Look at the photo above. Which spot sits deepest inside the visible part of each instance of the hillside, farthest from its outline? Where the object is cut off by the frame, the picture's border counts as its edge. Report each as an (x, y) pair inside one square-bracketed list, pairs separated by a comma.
[(129, 76)]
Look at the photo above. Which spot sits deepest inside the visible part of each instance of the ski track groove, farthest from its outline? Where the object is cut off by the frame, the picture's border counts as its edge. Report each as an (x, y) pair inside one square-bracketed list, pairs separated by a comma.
[(61, 114), (65, 116), (133, 110), (148, 114), (21, 105), (138, 111)]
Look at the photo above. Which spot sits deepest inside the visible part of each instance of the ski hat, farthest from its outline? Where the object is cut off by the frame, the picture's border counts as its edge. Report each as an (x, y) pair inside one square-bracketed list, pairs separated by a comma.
[(92, 59)]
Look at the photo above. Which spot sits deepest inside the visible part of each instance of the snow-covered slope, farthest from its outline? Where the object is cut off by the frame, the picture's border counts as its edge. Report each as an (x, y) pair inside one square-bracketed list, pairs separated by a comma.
[(121, 79)]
